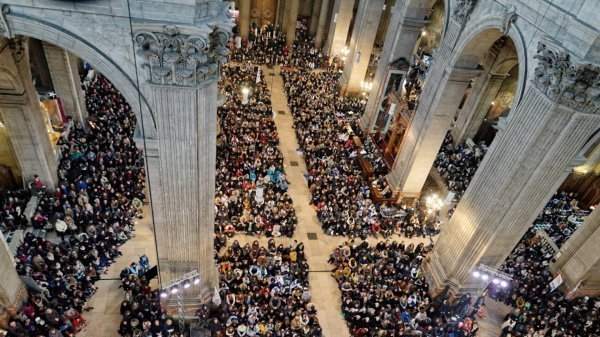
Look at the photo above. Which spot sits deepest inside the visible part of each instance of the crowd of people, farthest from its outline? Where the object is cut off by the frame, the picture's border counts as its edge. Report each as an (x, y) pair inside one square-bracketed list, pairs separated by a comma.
[(263, 291), (267, 45), (457, 164), (384, 293), (14, 203), (141, 311), (325, 125), (251, 192), (93, 211), (539, 311)]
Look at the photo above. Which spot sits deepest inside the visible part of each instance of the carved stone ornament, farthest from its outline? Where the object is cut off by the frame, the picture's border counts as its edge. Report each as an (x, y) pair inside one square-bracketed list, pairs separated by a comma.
[(498, 45), (17, 47), (462, 10), (181, 59), (574, 85), (4, 29), (508, 18)]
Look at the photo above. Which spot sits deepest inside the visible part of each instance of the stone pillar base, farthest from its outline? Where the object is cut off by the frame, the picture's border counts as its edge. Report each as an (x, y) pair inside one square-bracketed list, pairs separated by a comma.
[(440, 283)]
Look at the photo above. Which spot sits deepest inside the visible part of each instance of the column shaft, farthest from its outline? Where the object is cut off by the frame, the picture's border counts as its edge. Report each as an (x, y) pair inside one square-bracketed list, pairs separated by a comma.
[(361, 43), (524, 166), (285, 7), (244, 18), (322, 25), (579, 258), (291, 23), (186, 124), (315, 16), (426, 133), (340, 25), (477, 106), (400, 41), (24, 122), (12, 289), (66, 81)]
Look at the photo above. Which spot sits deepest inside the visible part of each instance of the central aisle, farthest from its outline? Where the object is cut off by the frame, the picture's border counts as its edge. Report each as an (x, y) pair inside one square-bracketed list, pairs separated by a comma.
[(325, 292), (318, 246)]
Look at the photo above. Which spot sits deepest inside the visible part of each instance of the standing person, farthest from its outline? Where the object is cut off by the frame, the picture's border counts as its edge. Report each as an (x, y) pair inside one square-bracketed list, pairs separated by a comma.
[(507, 326), (61, 228)]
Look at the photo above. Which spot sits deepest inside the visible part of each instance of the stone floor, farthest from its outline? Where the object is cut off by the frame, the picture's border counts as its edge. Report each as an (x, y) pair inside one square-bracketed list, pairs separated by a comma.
[(104, 319)]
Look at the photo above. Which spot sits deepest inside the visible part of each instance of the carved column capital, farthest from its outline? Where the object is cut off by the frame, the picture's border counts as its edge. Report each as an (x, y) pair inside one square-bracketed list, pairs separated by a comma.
[(574, 84), (181, 57), (462, 9)]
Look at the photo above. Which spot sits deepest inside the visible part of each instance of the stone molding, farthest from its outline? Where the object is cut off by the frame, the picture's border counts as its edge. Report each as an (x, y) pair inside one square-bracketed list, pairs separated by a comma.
[(462, 10), (177, 58), (4, 28), (509, 16), (573, 84)]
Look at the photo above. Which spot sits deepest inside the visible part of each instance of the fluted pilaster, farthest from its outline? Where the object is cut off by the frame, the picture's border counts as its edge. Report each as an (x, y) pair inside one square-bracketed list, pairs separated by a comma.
[(186, 128), (522, 169)]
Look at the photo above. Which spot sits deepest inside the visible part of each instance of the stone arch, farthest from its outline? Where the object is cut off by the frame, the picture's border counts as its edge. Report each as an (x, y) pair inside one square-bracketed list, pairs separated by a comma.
[(479, 36), (77, 44), (418, 6)]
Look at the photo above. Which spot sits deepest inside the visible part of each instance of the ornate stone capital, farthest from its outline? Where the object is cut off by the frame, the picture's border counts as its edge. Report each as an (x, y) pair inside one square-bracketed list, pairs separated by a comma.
[(462, 10), (576, 85), (179, 59)]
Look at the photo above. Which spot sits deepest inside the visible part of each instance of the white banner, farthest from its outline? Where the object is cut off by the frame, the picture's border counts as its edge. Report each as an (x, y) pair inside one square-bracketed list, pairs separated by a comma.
[(556, 282)]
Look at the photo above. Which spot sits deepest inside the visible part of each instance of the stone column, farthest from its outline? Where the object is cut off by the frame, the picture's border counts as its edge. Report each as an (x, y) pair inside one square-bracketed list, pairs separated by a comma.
[(322, 24), (523, 168), (340, 25), (400, 40), (436, 109), (23, 120), (285, 8), (244, 18), (12, 289), (426, 134), (186, 124), (361, 43), (66, 81), (314, 17), (477, 106), (292, 19), (579, 258), (182, 161)]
